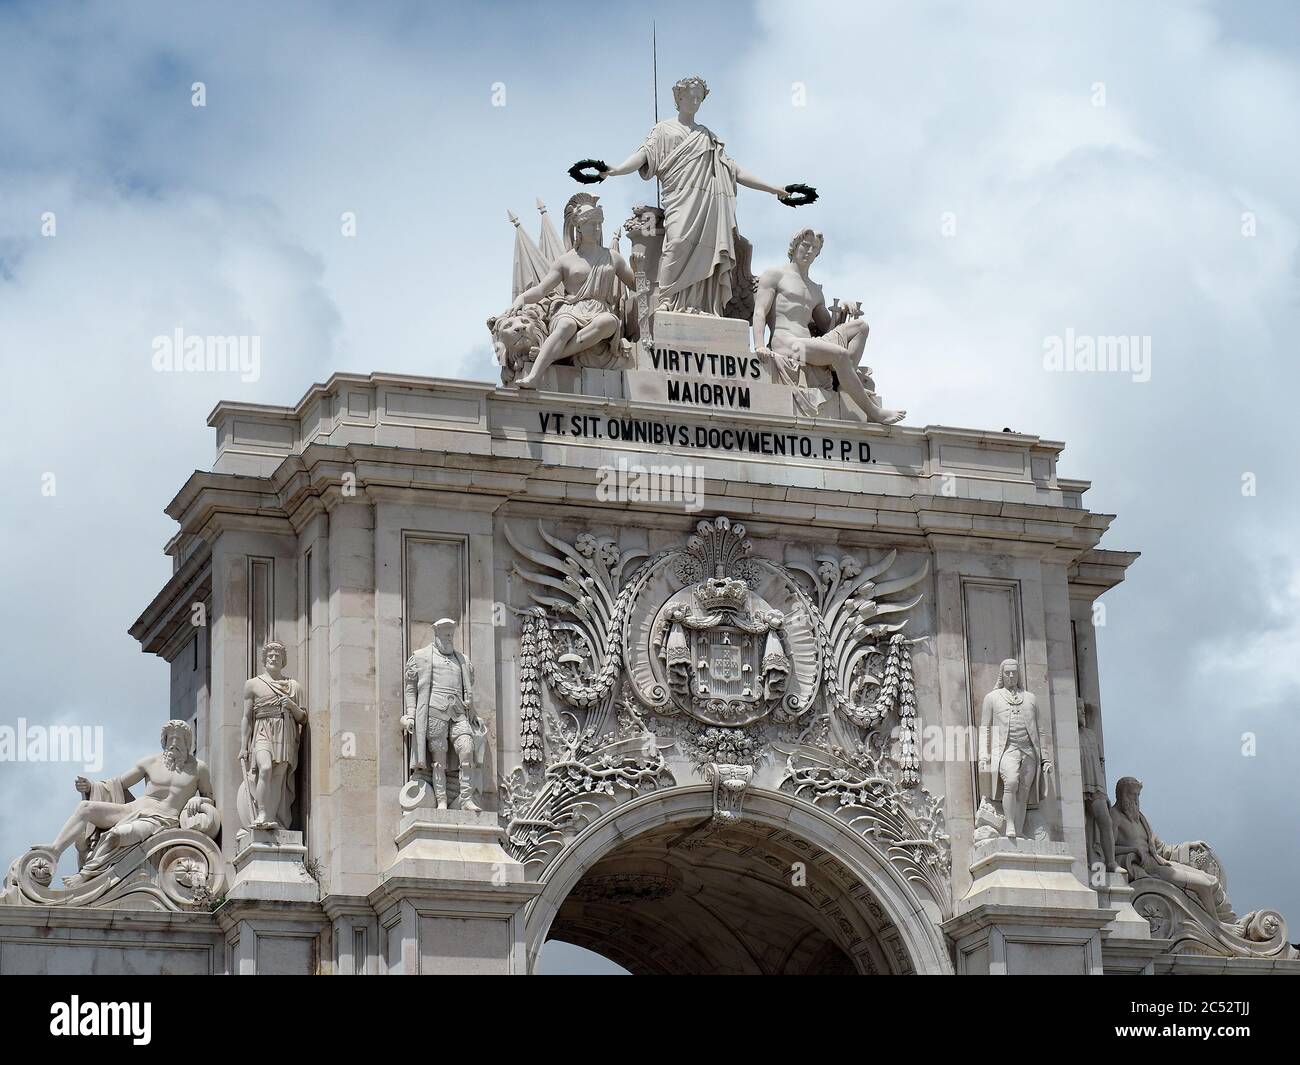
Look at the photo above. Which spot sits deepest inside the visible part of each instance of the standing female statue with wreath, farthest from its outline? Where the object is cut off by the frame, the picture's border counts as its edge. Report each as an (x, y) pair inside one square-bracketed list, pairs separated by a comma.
[(698, 181)]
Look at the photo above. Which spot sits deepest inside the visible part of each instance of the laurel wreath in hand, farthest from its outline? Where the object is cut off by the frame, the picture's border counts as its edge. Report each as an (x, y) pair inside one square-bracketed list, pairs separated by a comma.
[(576, 171), (797, 195)]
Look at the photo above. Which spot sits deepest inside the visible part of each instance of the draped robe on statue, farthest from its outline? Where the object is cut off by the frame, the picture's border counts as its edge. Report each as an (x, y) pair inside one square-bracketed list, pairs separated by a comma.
[(600, 294), (698, 181)]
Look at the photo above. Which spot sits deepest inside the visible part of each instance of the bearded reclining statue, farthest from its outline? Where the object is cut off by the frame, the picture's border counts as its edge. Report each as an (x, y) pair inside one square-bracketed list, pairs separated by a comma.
[(157, 848), (1181, 889)]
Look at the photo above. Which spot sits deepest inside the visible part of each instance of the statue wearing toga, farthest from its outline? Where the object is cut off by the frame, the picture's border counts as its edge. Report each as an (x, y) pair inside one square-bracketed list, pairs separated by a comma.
[(698, 181)]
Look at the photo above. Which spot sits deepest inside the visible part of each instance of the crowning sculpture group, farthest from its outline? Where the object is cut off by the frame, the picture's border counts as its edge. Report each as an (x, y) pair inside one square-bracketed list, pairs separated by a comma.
[(586, 305), (740, 649)]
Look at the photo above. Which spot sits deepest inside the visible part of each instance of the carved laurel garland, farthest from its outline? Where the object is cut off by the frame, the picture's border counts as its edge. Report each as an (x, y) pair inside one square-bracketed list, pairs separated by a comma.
[(530, 693), (573, 693), (862, 788), (898, 693), (585, 781)]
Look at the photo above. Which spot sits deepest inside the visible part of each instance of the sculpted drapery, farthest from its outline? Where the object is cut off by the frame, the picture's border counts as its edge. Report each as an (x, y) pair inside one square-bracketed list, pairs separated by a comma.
[(698, 183)]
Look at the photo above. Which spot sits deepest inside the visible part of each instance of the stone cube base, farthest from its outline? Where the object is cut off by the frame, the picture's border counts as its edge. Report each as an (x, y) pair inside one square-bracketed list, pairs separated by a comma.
[(993, 940), (1024, 872), (453, 845), (271, 864), (1127, 924)]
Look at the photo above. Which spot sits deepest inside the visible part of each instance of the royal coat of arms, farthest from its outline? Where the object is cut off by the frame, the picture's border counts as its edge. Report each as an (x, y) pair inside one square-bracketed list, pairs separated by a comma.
[(721, 648), (712, 631)]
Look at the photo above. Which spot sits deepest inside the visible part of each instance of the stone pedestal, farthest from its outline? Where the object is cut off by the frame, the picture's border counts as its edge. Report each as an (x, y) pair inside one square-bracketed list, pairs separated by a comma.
[(1026, 912), (451, 927), (453, 844), (1024, 872), (271, 864), (269, 938), (1127, 924), (992, 940), (704, 363), (453, 900), (696, 333)]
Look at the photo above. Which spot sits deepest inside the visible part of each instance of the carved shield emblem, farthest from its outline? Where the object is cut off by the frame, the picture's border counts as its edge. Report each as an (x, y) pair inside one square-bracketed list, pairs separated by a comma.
[(722, 652), (724, 661)]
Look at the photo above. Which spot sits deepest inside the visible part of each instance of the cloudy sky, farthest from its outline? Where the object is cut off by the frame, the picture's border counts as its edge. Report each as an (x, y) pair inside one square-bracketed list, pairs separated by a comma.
[(992, 175)]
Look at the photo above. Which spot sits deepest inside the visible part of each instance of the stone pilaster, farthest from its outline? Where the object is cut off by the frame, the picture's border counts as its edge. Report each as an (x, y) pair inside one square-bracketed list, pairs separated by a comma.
[(350, 862), (267, 938)]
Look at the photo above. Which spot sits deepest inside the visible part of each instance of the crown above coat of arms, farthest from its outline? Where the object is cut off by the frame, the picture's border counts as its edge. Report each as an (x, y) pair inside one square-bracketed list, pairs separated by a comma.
[(718, 594)]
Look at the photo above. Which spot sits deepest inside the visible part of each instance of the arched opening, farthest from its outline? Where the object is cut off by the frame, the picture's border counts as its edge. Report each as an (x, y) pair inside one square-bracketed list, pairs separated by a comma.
[(560, 958), (659, 888)]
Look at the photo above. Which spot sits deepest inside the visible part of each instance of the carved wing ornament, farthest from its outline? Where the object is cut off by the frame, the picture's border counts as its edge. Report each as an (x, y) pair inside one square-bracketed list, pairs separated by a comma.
[(577, 587), (711, 631), (866, 660), (852, 612)]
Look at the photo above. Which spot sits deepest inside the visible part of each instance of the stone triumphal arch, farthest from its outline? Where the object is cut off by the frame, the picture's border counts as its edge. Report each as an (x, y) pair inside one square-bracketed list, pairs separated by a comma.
[(676, 642), (660, 887)]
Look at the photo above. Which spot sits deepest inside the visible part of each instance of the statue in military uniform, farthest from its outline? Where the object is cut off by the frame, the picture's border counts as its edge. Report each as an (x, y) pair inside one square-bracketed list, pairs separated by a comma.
[(438, 707)]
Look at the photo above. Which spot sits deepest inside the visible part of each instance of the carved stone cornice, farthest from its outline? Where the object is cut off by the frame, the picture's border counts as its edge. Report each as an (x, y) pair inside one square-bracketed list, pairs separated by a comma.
[(169, 613), (1098, 571)]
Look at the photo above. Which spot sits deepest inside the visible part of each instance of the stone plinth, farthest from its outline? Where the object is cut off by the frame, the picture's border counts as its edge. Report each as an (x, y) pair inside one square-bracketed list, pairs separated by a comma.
[(81, 940), (1019, 940), (452, 901), (1117, 895), (453, 845), (269, 937), (271, 864), (699, 363), (697, 333), (1026, 912), (1024, 872)]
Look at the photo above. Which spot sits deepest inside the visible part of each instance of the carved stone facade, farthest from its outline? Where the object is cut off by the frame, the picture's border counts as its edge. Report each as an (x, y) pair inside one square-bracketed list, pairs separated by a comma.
[(677, 645), (713, 740)]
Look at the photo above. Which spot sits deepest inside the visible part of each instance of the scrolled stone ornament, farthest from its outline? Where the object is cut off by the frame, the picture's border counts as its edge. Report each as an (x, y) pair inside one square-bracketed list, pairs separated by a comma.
[(863, 788), (796, 195), (37, 866), (185, 872), (173, 870), (578, 171)]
